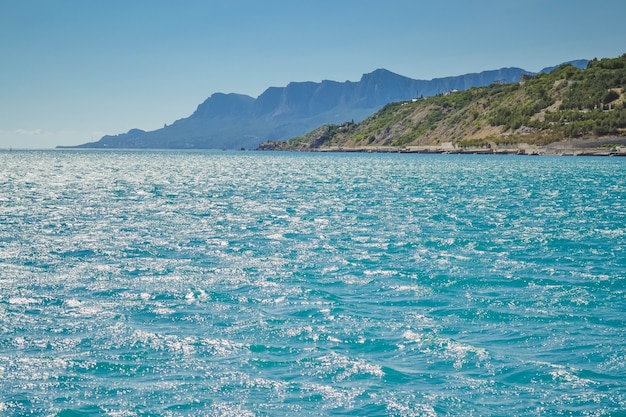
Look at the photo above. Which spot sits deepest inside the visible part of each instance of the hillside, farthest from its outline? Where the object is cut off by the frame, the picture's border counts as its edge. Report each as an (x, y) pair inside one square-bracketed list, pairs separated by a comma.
[(233, 121), (568, 108)]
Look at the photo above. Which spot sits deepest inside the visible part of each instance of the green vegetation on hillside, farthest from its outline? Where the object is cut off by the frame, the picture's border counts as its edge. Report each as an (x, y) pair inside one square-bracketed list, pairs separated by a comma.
[(591, 101), (564, 104)]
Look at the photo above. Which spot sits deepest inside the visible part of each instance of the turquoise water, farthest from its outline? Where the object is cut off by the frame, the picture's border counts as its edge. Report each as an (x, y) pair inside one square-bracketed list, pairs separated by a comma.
[(281, 284)]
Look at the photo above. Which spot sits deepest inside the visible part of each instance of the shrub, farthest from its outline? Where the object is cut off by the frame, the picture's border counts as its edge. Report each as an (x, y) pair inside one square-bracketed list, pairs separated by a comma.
[(610, 96)]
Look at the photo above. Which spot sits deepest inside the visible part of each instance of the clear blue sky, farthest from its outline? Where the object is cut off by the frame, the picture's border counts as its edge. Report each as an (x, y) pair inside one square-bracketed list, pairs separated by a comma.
[(74, 70)]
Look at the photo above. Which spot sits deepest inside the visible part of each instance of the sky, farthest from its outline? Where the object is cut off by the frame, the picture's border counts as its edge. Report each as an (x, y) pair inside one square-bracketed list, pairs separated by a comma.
[(72, 71)]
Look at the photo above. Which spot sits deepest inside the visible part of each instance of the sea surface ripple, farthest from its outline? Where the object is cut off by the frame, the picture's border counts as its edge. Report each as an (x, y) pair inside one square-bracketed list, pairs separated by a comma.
[(155, 283)]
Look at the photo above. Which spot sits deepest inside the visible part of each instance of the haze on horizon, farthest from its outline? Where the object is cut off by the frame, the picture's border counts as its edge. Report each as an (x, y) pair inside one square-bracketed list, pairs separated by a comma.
[(73, 71)]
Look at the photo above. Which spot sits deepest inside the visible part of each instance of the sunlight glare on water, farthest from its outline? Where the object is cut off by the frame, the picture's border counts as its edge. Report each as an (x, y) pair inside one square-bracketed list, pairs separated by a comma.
[(256, 284)]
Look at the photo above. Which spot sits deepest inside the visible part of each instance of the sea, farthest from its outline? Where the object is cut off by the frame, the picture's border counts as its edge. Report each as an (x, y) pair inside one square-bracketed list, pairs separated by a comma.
[(243, 283)]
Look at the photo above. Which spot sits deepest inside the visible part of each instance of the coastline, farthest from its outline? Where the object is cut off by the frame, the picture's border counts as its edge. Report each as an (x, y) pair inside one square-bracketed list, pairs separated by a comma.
[(583, 147)]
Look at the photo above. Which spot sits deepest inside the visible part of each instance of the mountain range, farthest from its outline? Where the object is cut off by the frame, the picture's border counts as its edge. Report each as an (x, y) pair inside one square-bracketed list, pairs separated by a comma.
[(235, 121)]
